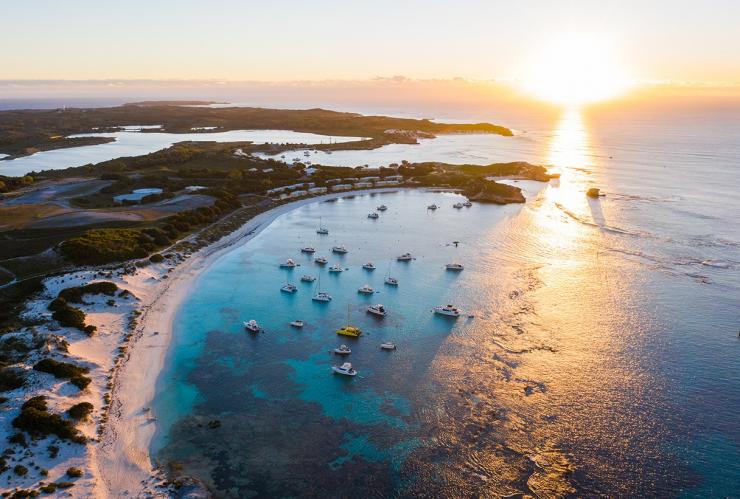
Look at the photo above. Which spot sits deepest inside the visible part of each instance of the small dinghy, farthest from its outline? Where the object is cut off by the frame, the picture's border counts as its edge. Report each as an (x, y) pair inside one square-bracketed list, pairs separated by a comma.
[(252, 326), (432, 207), (467, 204), (342, 350), (346, 369), (388, 345), (297, 323)]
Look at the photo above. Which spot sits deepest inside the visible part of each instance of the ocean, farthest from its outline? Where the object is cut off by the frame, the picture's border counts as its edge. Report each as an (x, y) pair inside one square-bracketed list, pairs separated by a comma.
[(601, 358)]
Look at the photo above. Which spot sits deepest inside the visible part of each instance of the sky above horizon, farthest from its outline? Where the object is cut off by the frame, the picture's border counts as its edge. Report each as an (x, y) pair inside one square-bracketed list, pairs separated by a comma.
[(663, 40)]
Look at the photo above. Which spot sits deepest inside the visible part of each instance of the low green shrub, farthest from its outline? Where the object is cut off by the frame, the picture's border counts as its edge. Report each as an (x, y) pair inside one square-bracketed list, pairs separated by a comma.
[(20, 470), (80, 411), (70, 317), (35, 420), (74, 472), (75, 294), (11, 378)]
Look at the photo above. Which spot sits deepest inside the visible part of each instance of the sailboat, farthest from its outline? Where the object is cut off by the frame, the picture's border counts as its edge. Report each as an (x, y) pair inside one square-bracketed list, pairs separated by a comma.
[(321, 296), (391, 281), (349, 330), (322, 230)]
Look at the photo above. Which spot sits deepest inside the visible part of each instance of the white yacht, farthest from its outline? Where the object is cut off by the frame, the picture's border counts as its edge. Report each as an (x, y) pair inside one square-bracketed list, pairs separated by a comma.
[(388, 345), (454, 266), (307, 278), (339, 249), (391, 281), (369, 266), (308, 249), (467, 204), (378, 310), (373, 215), (320, 260), (365, 289), (406, 257), (289, 288), (321, 296), (252, 326), (336, 268), (298, 324), (345, 369), (322, 230), (447, 310), (382, 207), (342, 350), (457, 206), (288, 264), (432, 207)]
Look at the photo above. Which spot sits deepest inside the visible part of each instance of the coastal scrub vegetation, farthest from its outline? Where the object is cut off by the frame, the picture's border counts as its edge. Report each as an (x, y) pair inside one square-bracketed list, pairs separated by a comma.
[(75, 294), (36, 420), (64, 370), (80, 411)]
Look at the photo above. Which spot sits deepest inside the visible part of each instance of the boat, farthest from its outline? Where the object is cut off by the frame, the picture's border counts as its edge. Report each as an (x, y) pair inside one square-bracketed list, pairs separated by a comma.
[(365, 289), (320, 295), (322, 230), (369, 266), (339, 249), (378, 310), (457, 205), (454, 266), (467, 204), (342, 350), (345, 369), (320, 260), (306, 153), (373, 215), (252, 326), (289, 288), (406, 257), (382, 207), (336, 268), (288, 264), (391, 281), (307, 278), (388, 345), (297, 323), (308, 249), (348, 330), (447, 310), (432, 207)]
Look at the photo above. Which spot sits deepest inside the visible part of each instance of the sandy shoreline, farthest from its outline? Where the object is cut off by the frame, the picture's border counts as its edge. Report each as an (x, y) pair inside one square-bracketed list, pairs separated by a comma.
[(122, 460)]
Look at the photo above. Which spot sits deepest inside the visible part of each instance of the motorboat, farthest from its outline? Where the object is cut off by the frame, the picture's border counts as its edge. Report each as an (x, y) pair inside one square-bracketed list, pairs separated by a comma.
[(467, 204), (342, 350), (289, 288), (378, 310), (320, 260), (447, 310), (454, 266), (432, 207), (297, 324), (369, 266), (388, 345), (339, 249), (457, 206), (366, 289), (336, 268), (406, 257), (288, 264), (321, 296), (345, 369), (382, 207), (351, 331), (308, 249), (391, 281), (252, 326), (307, 278), (373, 215)]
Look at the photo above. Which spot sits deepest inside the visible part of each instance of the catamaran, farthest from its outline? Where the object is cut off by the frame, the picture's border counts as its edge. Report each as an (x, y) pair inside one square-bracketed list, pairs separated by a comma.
[(289, 288), (307, 278), (321, 296), (349, 330)]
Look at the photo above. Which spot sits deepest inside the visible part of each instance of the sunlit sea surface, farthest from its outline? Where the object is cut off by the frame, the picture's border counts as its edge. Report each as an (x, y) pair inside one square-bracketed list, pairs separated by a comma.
[(602, 358)]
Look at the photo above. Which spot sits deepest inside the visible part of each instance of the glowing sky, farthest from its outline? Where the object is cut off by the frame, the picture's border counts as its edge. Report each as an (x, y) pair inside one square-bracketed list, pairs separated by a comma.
[(328, 39)]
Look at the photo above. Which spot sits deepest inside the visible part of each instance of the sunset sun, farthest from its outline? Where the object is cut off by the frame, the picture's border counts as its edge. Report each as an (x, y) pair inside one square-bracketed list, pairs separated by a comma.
[(574, 70)]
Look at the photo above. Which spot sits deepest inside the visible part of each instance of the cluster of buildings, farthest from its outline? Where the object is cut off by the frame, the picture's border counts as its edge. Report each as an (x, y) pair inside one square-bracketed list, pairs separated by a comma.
[(333, 185)]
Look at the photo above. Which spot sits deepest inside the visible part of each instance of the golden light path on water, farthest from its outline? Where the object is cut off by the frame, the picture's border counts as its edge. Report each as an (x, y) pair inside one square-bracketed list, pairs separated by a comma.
[(539, 388)]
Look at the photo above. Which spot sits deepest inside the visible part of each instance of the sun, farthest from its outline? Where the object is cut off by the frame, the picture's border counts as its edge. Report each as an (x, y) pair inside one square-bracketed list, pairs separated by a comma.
[(574, 70)]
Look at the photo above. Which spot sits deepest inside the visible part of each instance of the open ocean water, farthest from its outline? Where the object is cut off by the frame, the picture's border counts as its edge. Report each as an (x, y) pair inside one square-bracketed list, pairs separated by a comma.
[(603, 358)]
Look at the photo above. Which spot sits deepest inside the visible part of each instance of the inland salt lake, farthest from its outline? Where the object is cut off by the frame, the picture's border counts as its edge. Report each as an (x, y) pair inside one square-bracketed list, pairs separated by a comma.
[(602, 359)]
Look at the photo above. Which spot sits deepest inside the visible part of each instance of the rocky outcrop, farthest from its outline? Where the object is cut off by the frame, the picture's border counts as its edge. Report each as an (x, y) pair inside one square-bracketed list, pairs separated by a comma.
[(488, 191)]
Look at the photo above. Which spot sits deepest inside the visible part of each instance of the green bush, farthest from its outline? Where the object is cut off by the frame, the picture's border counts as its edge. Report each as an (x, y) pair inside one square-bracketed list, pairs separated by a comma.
[(20, 470), (49, 488), (80, 382), (18, 438), (156, 258), (90, 329), (70, 317), (74, 472), (38, 403), (11, 379), (74, 373), (80, 411), (57, 303), (38, 422), (65, 485)]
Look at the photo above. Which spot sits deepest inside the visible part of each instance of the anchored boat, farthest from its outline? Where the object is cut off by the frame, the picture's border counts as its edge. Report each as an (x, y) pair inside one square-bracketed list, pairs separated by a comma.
[(252, 326), (345, 369)]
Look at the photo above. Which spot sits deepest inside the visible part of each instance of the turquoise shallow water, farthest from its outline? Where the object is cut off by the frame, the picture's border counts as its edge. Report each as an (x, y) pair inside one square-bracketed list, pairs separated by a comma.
[(602, 359)]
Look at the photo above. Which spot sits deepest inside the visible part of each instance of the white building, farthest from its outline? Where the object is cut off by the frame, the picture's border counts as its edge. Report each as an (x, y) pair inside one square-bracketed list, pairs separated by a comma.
[(384, 183), (297, 194), (394, 177), (341, 187), (363, 185), (370, 179), (317, 190)]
